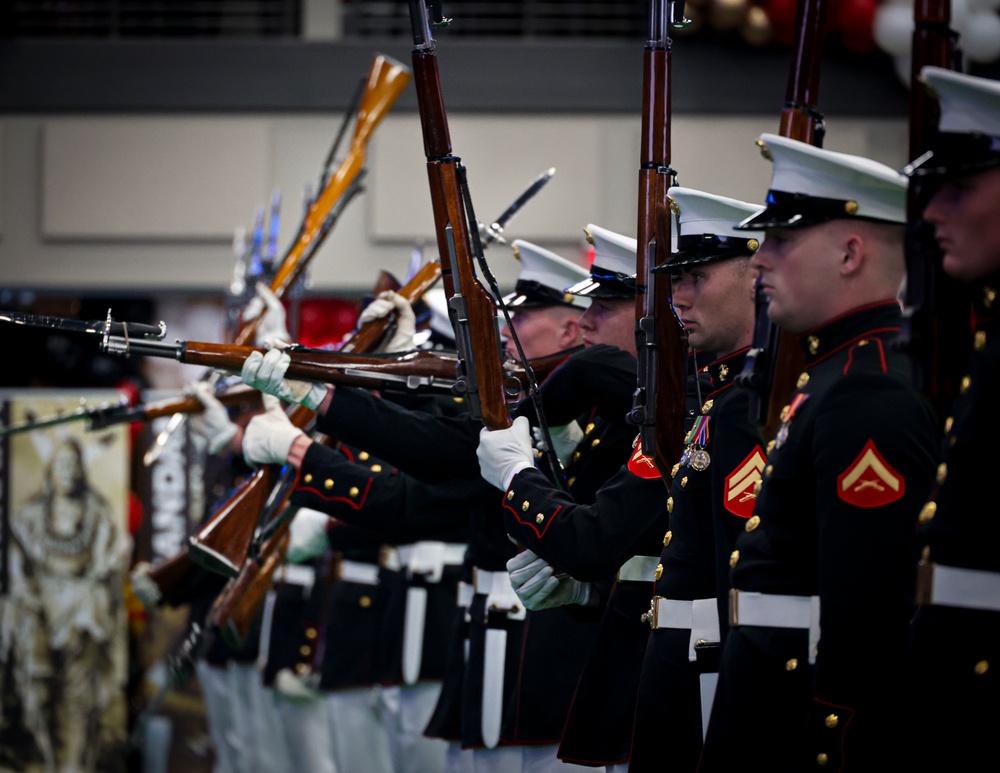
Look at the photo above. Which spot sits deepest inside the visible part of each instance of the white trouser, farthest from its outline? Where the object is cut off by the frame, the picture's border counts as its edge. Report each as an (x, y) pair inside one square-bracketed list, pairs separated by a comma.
[(525, 759), (262, 741), (307, 736), (220, 716), (405, 713), (360, 743), (459, 760)]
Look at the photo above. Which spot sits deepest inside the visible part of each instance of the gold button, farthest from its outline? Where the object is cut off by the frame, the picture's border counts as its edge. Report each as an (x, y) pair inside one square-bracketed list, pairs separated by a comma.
[(831, 721), (510, 495), (304, 650), (659, 572), (803, 380), (768, 471), (301, 668), (576, 455), (311, 633), (942, 472), (783, 415), (353, 491), (949, 423), (770, 446), (989, 296), (667, 537), (928, 512), (571, 481), (964, 386), (756, 488), (851, 208), (980, 341), (363, 456), (981, 667), (674, 470), (328, 483), (684, 482), (791, 664), (376, 468), (458, 399), (589, 428), (365, 602), (539, 518), (813, 344), (525, 506), (822, 759), (734, 558), (670, 505), (723, 373), (752, 523), (595, 442), (307, 478)]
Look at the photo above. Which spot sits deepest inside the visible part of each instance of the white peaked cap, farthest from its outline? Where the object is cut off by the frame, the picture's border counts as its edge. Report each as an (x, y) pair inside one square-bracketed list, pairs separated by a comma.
[(544, 278), (811, 185), (968, 104), (707, 228)]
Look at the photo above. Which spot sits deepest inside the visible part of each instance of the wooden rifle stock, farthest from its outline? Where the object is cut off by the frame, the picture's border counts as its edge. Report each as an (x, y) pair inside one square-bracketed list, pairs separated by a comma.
[(223, 543), (658, 405), (784, 358), (170, 574), (936, 329), (386, 81), (472, 308), (237, 606)]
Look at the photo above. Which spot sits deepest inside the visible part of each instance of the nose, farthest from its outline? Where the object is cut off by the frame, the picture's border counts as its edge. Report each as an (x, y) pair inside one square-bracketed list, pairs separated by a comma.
[(586, 320), (933, 212), (757, 260)]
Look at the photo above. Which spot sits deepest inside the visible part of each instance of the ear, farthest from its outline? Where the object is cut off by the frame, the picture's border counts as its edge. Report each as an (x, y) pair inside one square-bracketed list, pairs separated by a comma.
[(569, 334), (853, 257)]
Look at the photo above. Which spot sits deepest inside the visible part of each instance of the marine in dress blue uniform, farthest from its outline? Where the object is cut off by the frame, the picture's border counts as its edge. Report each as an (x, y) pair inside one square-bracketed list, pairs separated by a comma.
[(954, 649), (823, 575), (713, 484)]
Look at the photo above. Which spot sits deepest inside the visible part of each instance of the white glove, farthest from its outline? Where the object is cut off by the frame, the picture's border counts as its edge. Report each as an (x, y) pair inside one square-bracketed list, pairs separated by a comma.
[(307, 535), (505, 452), (143, 586), (536, 584), (406, 321), (273, 324), (213, 424), (565, 439), (295, 688), (269, 435), (266, 372)]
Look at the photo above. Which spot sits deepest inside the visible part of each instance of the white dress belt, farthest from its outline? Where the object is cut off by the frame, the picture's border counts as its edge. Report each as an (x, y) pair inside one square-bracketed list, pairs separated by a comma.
[(699, 616), (358, 571), (775, 610), (296, 574), (499, 592), (953, 586)]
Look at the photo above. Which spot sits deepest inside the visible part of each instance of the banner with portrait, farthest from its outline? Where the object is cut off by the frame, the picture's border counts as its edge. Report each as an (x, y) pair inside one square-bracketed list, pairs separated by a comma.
[(64, 494)]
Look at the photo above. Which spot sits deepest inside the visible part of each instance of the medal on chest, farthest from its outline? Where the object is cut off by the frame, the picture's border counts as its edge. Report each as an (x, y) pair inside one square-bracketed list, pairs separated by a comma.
[(787, 414), (695, 456)]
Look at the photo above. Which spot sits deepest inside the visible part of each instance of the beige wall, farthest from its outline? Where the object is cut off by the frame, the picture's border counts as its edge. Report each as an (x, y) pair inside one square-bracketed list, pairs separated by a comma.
[(147, 204)]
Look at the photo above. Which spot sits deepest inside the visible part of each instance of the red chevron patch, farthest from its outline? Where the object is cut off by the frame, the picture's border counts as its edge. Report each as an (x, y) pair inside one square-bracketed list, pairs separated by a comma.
[(870, 481)]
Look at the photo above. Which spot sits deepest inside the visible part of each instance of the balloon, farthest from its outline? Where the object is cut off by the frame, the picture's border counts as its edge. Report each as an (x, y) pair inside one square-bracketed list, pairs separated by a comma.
[(727, 14), (980, 38), (855, 19), (893, 28), (782, 16), (756, 29)]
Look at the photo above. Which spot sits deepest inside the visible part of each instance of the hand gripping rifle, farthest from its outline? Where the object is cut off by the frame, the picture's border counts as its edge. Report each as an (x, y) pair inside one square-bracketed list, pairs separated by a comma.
[(658, 402), (775, 359), (386, 81), (936, 332)]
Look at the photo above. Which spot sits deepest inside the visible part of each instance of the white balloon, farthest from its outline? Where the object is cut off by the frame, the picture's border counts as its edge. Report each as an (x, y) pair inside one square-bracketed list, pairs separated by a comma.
[(980, 39), (893, 28)]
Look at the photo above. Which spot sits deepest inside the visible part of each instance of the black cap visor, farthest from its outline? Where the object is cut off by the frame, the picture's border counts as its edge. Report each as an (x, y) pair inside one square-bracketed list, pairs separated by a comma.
[(602, 284), (699, 249), (956, 155), (795, 210)]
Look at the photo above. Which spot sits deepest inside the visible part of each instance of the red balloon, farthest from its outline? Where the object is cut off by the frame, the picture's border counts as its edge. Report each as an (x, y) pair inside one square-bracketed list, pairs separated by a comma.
[(854, 20), (782, 16)]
